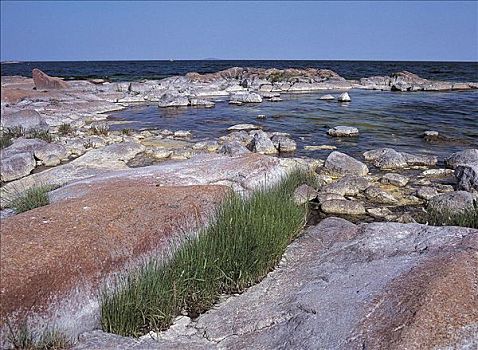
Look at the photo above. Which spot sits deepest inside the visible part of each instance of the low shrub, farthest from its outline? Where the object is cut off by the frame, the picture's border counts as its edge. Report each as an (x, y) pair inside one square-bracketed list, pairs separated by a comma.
[(32, 198), (65, 129), (23, 338), (127, 132), (244, 243), (467, 218), (5, 140), (99, 130), (19, 131)]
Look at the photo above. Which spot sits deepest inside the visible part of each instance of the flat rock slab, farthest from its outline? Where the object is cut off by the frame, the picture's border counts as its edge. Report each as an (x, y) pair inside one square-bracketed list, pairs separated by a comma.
[(343, 286), (55, 258)]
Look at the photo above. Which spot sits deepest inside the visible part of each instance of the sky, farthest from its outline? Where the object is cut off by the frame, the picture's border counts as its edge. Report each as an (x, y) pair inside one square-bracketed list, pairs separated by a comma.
[(121, 30)]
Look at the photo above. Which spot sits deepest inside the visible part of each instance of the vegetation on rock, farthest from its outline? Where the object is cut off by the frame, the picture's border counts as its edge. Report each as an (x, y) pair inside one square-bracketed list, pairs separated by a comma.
[(32, 198)]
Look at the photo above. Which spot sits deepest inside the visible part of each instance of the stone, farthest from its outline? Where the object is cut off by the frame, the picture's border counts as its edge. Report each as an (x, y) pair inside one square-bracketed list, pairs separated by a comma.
[(437, 172), (386, 158), (327, 97), (51, 160), (304, 194), (51, 149), (467, 176), (171, 100), (464, 157), (430, 133), (377, 195), (43, 81), (394, 179), (233, 148), (75, 146), (342, 207), (284, 143), (261, 116), (27, 119), (343, 131), (344, 97), (348, 185), (452, 202), (324, 196), (246, 97), (379, 212), (262, 143), (275, 99), (320, 148), (245, 127), (340, 164), (426, 192), (420, 160), (195, 102), (161, 153), (182, 133), (16, 166), (21, 145)]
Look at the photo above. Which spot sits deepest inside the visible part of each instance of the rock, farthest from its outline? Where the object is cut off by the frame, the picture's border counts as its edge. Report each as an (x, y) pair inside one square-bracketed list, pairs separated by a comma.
[(304, 194), (394, 179), (95, 142), (338, 163), (426, 192), (16, 166), (237, 103), (406, 81), (386, 158), (319, 148), (467, 176), (464, 157), (452, 202), (43, 81), (245, 127), (344, 97), (75, 146), (161, 153), (327, 97), (210, 146), (379, 212), (182, 133), (430, 133), (343, 131), (342, 207), (261, 116), (195, 102), (347, 186), (413, 159), (275, 99), (21, 145), (263, 144), (51, 160), (233, 148), (171, 100), (284, 143), (378, 195), (322, 197), (246, 97), (27, 119), (51, 149), (437, 172)]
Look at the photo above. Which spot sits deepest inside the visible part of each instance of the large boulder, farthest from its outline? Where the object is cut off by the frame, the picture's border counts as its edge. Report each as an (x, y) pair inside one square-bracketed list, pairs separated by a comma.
[(340, 164), (262, 143), (51, 149), (464, 157), (43, 81), (284, 143), (386, 158), (453, 202), (27, 119), (16, 166), (348, 185), (467, 176)]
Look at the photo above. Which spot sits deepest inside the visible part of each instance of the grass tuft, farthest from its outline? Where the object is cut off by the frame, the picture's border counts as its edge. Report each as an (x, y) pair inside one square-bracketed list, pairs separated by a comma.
[(127, 131), (244, 243), (65, 129), (5, 140), (467, 218), (100, 130), (19, 131), (23, 338), (32, 198)]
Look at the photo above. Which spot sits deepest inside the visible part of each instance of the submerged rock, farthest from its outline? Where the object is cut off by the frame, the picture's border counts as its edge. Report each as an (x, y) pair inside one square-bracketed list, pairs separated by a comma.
[(343, 131), (245, 127), (344, 97), (327, 97)]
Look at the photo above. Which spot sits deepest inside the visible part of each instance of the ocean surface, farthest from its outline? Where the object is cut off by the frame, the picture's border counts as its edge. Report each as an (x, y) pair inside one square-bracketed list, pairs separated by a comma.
[(385, 119)]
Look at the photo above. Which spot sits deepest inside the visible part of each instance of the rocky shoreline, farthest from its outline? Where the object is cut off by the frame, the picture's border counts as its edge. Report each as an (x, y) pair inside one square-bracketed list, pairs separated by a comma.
[(59, 136)]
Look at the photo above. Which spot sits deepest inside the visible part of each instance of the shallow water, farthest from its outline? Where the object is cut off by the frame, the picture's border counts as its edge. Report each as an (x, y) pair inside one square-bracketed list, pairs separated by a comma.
[(384, 119)]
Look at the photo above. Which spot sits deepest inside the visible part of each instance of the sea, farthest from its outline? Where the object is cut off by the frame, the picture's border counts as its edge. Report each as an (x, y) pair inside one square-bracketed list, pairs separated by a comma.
[(384, 119)]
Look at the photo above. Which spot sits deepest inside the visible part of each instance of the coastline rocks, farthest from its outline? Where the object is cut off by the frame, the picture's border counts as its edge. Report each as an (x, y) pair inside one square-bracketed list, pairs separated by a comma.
[(406, 81), (284, 144), (338, 163), (182, 134), (452, 202), (467, 176), (386, 158), (342, 207), (464, 157), (327, 97), (343, 131), (261, 143), (378, 195), (16, 166), (27, 119), (426, 192), (246, 97), (304, 194), (344, 97), (172, 100), (233, 148), (51, 149), (394, 179), (195, 102), (43, 81), (420, 160), (348, 185), (244, 127)]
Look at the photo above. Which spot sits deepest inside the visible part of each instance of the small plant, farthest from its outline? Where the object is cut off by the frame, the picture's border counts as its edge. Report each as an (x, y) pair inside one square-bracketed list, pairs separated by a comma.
[(32, 198), (15, 132), (99, 130), (88, 144), (39, 134), (5, 140), (127, 131), (242, 245), (65, 129), (23, 338), (467, 218)]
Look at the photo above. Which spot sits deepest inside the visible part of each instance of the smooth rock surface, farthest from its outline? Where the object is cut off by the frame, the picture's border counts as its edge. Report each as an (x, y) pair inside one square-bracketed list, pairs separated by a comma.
[(26, 119), (340, 164), (342, 207), (464, 157), (43, 81), (343, 131), (453, 202), (467, 176)]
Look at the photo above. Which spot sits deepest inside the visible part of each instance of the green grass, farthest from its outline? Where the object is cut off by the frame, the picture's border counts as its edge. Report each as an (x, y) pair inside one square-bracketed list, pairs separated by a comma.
[(244, 243), (5, 140), (32, 198), (127, 131), (99, 130), (23, 338), (468, 218), (19, 131), (65, 129)]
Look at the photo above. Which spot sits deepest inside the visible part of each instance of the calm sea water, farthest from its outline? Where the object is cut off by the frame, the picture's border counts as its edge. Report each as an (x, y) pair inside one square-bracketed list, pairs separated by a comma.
[(390, 119)]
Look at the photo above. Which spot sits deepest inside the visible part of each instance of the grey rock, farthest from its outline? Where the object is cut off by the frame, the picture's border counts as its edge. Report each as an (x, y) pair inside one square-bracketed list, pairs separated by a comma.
[(425, 160), (347, 186), (342, 207), (464, 157), (378, 195), (262, 143), (182, 133), (379, 212), (16, 166), (343, 131), (324, 196), (304, 194), (246, 97), (338, 163), (467, 176), (394, 179), (284, 143), (386, 158), (452, 202), (245, 127), (51, 149), (426, 192), (22, 145), (51, 160), (197, 102), (327, 97), (27, 119), (172, 100), (233, 148), (344, 97)]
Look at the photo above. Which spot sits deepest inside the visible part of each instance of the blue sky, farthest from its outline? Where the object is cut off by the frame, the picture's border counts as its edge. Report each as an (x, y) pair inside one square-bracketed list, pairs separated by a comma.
[(360, 30)]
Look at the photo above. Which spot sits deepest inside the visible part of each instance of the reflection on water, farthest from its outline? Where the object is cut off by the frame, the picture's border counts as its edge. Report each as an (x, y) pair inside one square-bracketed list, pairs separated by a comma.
[(385, 119)]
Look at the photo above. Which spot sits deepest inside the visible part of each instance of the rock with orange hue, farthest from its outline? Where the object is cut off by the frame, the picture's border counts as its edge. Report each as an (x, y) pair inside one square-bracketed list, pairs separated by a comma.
[(43, 81)]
